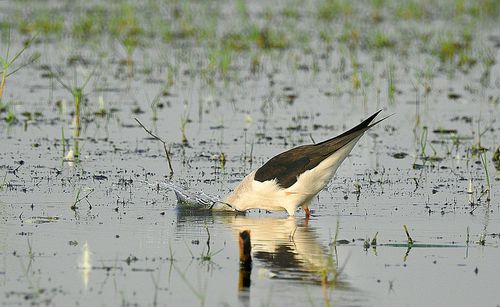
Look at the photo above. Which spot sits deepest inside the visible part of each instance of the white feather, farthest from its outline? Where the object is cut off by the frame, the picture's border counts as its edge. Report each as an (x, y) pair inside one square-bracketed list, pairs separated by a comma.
[(268, 195)]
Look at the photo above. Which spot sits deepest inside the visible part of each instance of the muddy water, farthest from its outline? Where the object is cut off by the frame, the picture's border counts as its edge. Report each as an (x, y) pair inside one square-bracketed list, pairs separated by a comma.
[(93, 232)]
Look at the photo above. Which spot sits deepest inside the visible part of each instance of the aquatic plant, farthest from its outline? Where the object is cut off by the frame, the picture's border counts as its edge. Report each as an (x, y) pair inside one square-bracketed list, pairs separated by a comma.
[(291, 11), (63, 143), (242, 9), (124, 25), (91, 23), (10, 117), (77, 91), (350, 35), (367, 79), (483, 8), (410, 9), (268, 38), (167, 152), (7, 62), (155, 104), (78, 199), (184, 25), (484, 163), (391, 86), (327, 10), (184, 122), (235, 41), (380, 39), (219, 60), (43, 21), (410, 240), (496, 159), (447, 49)]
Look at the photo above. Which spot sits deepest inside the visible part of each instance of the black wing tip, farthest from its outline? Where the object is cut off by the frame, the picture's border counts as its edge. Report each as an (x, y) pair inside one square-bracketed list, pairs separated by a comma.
[(359, 129), (378, 121), (367, 121), (366, 124)]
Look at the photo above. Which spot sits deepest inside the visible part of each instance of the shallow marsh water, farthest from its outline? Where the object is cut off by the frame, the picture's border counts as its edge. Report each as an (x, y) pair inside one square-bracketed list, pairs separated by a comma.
[(93, 232)]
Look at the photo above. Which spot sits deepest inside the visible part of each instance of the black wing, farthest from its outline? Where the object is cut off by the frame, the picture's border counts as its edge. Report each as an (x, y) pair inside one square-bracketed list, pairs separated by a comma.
[(287, 166)]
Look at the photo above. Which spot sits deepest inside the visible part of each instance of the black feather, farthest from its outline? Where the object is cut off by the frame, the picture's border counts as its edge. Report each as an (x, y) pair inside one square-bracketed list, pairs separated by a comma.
[(287, 166)]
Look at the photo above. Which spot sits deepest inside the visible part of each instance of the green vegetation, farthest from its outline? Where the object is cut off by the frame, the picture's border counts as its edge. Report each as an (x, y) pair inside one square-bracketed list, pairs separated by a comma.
[(496, 159), (77, 91), (329, 9), (44, 22), (391, 86), (133, 25), (380, 39), (484, 162), (447, 49), (90, 24), (410, 9), (7, 61), (125, 26)]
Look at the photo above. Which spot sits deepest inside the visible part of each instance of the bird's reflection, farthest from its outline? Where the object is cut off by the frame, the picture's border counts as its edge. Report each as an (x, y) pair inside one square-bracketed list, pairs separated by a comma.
[(287, 248), (246, 263), (281, 248)]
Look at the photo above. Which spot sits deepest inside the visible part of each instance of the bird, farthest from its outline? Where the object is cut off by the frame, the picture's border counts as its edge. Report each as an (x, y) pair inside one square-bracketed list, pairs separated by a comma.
[(293, 178)]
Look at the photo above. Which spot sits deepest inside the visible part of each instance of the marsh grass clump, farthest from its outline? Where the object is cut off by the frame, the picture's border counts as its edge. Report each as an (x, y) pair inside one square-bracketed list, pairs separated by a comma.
[(350, 35), (235, 41), (44, 22), (6, 62), (77, 91), (380, 39), (125, 26), (456, 51), (291, 12), (219, 60), (447, 49), (184, 123), (326, 37), (184, 23), (410, 9), (266, 38), (466, 60), (166, 32), (269, 38), (5, 25), (10, 117), (92, 23), (391, 84), (483, 8), (329, 9)]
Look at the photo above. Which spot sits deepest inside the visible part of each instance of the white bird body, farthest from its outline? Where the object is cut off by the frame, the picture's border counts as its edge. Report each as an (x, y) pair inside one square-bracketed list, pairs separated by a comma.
[(269, 195), (291, 179)]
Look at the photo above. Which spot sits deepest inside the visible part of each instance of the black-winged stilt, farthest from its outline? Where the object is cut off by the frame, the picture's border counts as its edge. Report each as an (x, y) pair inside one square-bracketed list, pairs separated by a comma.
[(292, 178)]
